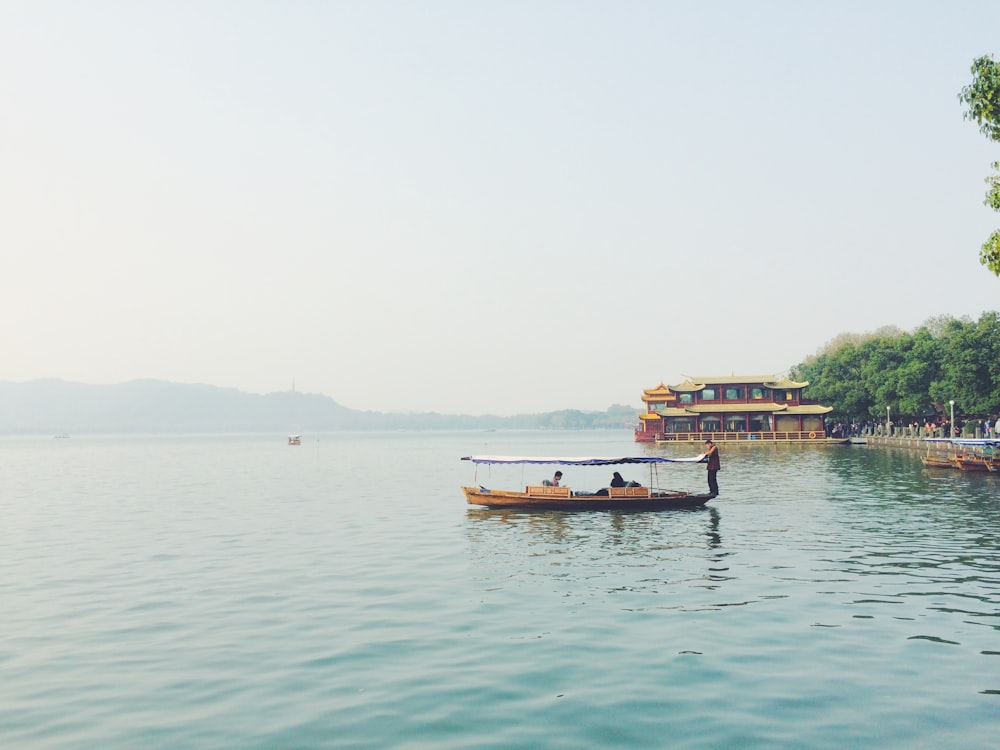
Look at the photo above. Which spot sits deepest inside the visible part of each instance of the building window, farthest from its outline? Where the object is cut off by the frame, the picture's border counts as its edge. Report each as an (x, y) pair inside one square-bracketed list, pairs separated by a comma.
[(759, 393), (710, 423), (687, 398), (709, 394), (733, 394)]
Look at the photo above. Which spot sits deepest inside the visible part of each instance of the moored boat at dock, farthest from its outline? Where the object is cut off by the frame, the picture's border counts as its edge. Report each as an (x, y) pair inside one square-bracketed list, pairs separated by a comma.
[(967, 454)]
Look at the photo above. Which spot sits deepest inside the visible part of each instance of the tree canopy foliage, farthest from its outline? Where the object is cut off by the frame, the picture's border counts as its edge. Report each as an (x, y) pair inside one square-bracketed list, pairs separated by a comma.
[(914, 374), (982, 97)]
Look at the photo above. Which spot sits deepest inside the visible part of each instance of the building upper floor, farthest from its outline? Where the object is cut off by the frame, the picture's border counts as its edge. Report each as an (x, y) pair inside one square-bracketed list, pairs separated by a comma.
[(725, 390)]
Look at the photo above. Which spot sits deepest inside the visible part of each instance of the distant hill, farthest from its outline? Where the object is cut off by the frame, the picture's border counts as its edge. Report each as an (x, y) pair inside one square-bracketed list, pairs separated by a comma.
[(154, 406)]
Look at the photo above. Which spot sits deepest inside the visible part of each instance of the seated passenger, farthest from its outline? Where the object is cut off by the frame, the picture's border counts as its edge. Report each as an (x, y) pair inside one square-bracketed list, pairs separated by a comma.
[(554, 482), (617, 481)]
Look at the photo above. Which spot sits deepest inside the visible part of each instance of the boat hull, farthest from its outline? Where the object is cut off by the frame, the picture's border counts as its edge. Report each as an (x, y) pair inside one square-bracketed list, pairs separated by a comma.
[(936, 462), (974, 463), (655, 501)]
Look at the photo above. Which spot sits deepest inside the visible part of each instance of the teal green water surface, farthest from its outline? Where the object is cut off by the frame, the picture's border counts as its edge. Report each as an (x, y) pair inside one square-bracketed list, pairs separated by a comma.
[(237, 592)]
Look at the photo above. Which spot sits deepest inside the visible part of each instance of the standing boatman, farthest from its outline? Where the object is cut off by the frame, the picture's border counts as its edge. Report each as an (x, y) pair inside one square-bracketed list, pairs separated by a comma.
[(712, 457)]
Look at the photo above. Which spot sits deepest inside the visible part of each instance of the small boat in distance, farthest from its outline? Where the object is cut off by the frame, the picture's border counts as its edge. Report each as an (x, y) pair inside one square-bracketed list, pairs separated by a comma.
[(632, 497), (295, 440)]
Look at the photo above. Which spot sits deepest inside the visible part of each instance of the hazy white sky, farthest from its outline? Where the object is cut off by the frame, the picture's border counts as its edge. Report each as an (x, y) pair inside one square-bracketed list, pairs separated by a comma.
[(480, 207)]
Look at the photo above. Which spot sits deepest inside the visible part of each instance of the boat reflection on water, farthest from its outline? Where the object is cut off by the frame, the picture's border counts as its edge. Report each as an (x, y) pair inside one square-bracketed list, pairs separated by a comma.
[(581, 558), (623, 527)]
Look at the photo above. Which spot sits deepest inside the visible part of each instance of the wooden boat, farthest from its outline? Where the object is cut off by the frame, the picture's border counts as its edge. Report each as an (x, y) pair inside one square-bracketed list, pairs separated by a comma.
[(295, 440), (973, 463), (976, 455), (967, 454), (543, 497), (937, 462)]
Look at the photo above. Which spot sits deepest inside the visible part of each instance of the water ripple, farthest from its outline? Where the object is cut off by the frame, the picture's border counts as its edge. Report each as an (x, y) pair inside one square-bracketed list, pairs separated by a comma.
[(232, 592)]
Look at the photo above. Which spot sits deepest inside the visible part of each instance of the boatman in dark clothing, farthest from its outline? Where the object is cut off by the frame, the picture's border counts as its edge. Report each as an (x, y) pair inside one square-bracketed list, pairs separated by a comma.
[(712, 457)]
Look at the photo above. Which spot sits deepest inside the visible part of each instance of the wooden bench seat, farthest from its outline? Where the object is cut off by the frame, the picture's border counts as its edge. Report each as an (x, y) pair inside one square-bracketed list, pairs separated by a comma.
[(540, 489), (628, 491)]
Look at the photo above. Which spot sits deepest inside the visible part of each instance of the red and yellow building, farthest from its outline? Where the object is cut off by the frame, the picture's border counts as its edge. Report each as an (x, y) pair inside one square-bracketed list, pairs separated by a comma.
[(737, 407)]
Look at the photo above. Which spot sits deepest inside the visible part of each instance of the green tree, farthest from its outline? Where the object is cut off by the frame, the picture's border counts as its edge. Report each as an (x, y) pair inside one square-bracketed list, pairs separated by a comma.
[(879, 374), (982, 97), (923, 363), (945, 359), (969, 372), (835, 378)]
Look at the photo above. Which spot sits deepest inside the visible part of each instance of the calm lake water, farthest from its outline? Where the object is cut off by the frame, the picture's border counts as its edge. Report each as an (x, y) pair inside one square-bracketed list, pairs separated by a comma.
[(236, 592)]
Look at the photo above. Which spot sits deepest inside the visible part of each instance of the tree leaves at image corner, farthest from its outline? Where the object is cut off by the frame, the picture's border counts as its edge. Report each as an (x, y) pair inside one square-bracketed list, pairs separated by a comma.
[(982, 97), (989, 254)]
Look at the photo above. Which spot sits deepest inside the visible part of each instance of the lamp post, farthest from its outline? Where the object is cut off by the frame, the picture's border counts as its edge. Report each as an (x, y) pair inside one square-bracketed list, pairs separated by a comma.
[(952, 404), (888, 428)]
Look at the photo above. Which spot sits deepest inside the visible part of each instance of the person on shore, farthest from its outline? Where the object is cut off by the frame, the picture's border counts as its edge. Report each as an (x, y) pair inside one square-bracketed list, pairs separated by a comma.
[(712, 458)]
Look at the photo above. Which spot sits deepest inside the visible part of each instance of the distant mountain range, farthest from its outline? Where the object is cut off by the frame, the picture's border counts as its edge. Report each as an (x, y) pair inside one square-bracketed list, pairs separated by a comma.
[(154, 406)]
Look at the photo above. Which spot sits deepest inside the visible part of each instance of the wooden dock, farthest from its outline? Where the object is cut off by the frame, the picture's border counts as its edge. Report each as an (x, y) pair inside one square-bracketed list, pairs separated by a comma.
[(910, 443)]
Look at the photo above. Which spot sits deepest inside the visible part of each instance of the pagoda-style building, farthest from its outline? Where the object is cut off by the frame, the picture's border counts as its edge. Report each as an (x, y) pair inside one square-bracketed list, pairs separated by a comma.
[(737, 407)]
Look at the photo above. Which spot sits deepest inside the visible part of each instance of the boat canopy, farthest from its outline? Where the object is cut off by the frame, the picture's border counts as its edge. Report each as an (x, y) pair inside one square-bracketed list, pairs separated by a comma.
[(581, 461)]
